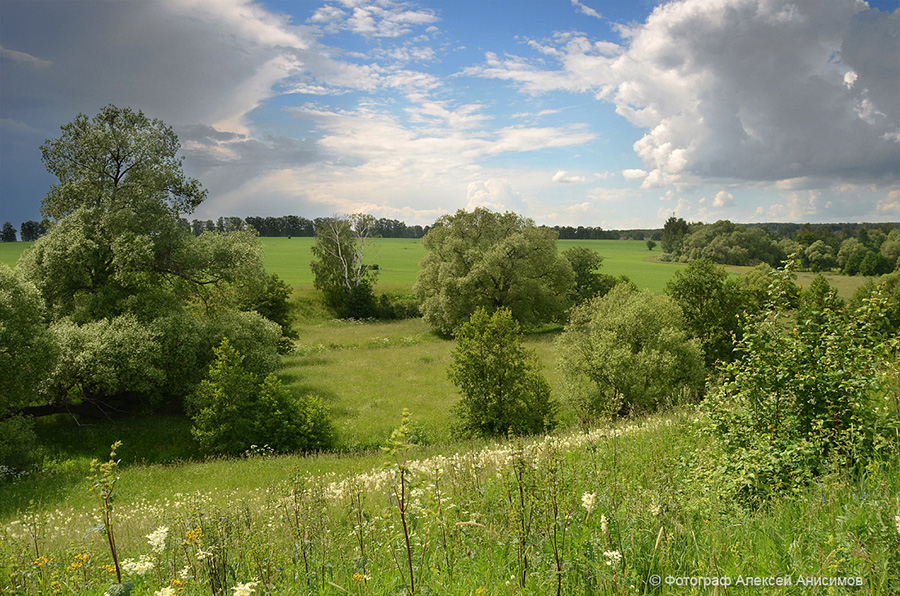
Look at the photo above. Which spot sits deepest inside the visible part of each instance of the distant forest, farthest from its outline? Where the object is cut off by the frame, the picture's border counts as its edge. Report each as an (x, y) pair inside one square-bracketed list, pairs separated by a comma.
[(295, 225)]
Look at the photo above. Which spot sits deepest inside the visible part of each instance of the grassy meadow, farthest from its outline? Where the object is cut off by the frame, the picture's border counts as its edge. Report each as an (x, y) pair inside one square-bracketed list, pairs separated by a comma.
[(586, 511)]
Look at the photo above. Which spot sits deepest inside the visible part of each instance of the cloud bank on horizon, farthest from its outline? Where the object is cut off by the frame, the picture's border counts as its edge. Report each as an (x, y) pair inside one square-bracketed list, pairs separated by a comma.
[(573, 113)]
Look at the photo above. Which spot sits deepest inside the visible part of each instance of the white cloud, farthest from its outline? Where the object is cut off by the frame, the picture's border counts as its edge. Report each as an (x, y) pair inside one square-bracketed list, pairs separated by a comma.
[(494, 194), (23, 58), (723, 199), (740, 90), (563, 177), (634, 174), (586, 10)]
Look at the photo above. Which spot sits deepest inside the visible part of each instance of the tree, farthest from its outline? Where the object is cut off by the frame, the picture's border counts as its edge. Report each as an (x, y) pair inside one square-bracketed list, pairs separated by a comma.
[(500, 381), (343, 244), (122, 275), (27, 354), (673, 235), (8, 233), (628, 352), (234, 409), (588, 281), (491, 260), (32, 230), (118, 158), (651, 244), (712, 303)]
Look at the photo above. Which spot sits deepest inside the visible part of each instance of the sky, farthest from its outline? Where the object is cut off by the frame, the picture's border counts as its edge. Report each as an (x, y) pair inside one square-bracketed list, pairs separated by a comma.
[(610, 113)]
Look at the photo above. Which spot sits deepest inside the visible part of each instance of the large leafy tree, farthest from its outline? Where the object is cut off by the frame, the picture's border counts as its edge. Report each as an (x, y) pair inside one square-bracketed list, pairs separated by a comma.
[(491, 260), (124, 278), (499, 379)]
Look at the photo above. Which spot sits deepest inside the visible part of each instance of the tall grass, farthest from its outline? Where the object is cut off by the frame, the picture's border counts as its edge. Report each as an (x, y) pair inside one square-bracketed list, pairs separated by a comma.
[(600, 512)]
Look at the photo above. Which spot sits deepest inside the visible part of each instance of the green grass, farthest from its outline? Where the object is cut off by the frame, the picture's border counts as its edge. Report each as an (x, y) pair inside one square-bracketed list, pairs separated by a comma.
[(11, 251), (464, 520)]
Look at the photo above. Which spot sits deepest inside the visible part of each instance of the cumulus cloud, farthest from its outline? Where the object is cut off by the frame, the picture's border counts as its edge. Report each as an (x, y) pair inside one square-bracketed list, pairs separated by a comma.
[(634, 174), (495, 194), (563, 177), (723, 199), (757, 91)]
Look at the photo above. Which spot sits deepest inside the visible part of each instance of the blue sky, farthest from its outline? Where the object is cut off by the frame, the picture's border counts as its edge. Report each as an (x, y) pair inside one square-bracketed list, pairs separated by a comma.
[(598, 112)]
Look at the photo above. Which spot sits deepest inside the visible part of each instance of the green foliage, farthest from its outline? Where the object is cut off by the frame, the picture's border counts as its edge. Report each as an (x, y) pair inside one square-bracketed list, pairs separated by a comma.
[(398, 305), (673, 235), (491, 260), (627, 352), (27, 349), (713, 304), (889, 289), (589, 282), (8, 233), (340, 270), (118, 158), (804, 393), (137, 301), (18, 443), (234, 409), (500, 381), (651, 244), (729, 244)]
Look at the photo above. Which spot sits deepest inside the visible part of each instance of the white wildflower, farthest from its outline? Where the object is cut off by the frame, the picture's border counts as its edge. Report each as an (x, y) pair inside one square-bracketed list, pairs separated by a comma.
[(245, 589), (655, 510), (138, 566), (185, 572), (897, 519), (613, 557), (157, 539), (587, 501), (167, 591), (604, 526)]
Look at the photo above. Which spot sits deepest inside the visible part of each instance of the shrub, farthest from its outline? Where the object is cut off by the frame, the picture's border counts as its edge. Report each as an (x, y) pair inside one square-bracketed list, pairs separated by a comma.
[(234, 409), (803, 395), (628, 351), (500, 381)]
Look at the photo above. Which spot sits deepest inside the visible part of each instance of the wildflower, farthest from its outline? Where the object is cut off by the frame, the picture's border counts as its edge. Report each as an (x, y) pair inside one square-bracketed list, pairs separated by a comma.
[(612, 557), (107, 568), (604, 526), (40, 561), (167, 591), (897, 519), (157, 539), (587, 501), (139, 566), (185, 572), (245, 589), (655, 510), (358, 577)]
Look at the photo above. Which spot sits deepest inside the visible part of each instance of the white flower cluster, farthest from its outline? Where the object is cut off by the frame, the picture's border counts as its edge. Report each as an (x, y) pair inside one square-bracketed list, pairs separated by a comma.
[(588, 500), (157, 539), (138, 566), (245, 589), (897, 519), (612, 557), (167, 591)]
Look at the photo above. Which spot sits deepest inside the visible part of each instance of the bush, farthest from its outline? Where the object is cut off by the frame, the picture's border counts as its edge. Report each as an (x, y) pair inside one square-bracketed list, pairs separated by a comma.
[(500, 381), (393, 306), (628, 352), (803, 396), (234, 409)]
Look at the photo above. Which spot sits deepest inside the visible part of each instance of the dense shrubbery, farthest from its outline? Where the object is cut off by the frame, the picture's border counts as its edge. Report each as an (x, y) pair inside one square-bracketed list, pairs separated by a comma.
[(502, 388), (234, 409), (629, 352), (808, 391)]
